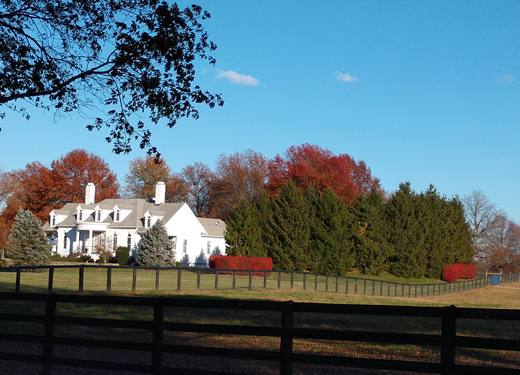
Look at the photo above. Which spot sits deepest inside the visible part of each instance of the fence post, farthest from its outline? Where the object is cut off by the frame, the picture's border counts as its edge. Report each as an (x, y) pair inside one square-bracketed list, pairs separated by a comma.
[(48, 333), (337, 283), (198, 279), (381, 289), (304, 281), (364, 286), (157, 279), (250, 280), (179, 279), (216, 280), (292, 279), (134, 279), (158, 319), (315, 282), (18, 277), (355, 285), (234, 280), (373, 287), (279, 279), (326, 283), (109, 279), (51, 278), (265, 280), (449, 333), (81, 277), (286, 340)]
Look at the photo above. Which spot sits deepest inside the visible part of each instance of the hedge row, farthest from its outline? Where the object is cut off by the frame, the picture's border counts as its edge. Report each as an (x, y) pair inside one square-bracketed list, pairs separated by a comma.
[(459, 271), (241, 263)]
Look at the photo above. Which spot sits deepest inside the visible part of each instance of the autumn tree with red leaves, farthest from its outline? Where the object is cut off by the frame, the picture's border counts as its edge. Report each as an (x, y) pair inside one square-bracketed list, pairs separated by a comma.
[(76, 169), (143, 174), (40, 189), (312, 166)]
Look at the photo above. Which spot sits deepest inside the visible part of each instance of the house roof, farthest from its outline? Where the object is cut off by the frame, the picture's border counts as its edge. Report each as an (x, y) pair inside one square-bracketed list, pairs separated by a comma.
[(135, 219), (213, 227)]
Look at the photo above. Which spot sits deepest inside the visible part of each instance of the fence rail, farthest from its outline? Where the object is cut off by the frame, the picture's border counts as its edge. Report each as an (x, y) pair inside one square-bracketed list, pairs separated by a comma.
[(286, 331), (189, 278)]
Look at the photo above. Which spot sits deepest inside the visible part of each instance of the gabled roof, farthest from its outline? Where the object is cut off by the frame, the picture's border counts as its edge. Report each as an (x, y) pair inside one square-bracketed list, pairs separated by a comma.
[(213, 227), (134, 219)]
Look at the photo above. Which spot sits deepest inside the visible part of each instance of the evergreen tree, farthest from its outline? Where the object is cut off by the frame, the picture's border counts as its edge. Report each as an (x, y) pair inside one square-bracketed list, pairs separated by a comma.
[(155, 248), (243, 235), (288, 235), (406, 235), (27, 244), (370, 234), (331, 235)]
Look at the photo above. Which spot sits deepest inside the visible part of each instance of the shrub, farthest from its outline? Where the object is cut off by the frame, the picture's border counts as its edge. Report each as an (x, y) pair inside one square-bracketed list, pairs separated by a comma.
[(241, 263), (122, 255), (467, 271), (85, 258), (451, 273)]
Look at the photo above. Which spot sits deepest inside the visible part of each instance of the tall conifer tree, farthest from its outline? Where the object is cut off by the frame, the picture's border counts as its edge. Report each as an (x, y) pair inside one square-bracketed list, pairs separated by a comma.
[(406, 234), (331, 236), (370, 234), (289, 230), (243, 235)]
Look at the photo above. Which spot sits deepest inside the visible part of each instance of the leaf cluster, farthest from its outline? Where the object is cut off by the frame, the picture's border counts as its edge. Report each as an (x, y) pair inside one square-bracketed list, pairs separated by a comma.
[(128, 56)]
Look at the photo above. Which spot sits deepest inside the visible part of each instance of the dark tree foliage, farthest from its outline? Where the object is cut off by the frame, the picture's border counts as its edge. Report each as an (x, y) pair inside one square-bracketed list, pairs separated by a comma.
[(428, 232), (125, 56), (27, 244), (155, 248), (289, 230), (243, 235), (407, 234), (332, 249), (371, 234)]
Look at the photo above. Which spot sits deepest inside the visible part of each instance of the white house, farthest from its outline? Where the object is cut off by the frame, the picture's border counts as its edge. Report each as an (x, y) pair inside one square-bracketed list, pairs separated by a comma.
[(78, 227)]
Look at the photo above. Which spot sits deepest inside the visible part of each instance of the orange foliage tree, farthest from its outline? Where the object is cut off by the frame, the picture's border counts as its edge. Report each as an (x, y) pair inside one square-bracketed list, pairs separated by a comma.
[(312, 166), (40, 189), (143, 174), (76, 169)]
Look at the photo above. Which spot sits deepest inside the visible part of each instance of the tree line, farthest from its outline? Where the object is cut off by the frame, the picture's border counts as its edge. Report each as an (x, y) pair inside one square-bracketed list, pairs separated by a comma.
[(409, 234), (252, 178)]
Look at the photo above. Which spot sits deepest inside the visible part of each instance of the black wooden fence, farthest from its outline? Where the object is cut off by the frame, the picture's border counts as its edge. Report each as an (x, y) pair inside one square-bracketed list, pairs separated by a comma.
[(286, 331), (305, 281)]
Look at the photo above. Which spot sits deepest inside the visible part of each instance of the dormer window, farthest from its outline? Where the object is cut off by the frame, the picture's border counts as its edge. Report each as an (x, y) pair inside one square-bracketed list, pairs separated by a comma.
[(53, 220), (118, 215), (98, 215), (80, 215), (148, 221)]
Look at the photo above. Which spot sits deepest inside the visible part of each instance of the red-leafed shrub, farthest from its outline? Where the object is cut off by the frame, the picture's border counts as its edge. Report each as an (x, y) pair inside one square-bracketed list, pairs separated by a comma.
[(459, 271), (467, 271), (451, 274), (241, 263)]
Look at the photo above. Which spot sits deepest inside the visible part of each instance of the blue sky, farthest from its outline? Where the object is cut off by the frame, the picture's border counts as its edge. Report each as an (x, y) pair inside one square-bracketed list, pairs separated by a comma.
[(422, 91)]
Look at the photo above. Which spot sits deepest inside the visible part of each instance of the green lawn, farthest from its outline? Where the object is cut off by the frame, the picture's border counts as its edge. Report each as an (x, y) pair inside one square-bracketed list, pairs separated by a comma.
[(95, 279)]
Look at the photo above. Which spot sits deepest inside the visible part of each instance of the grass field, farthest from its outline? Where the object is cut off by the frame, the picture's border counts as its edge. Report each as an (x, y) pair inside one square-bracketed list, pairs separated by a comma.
[(506, 296), (66, 280)]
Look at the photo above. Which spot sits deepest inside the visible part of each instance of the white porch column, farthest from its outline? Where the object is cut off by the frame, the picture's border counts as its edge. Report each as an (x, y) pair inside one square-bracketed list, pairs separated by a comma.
[(90, 241), (76, 244)]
